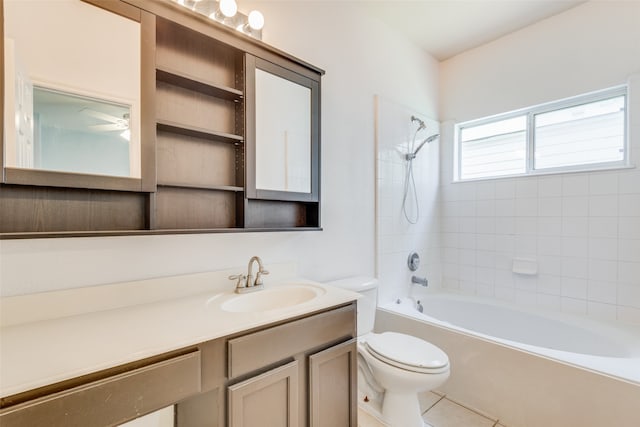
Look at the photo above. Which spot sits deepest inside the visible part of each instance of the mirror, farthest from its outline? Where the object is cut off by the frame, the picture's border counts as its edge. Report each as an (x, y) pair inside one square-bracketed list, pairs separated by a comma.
[(283, 134), (72, 91), (283, 146)]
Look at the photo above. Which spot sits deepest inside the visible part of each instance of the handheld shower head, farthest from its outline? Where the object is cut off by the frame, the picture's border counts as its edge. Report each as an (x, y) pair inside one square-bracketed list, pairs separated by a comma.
[(411, 156), (421, 124)]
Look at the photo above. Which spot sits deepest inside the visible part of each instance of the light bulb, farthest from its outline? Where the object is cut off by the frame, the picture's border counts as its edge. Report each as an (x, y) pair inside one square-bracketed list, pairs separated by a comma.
[(256, 20), (228, 8)]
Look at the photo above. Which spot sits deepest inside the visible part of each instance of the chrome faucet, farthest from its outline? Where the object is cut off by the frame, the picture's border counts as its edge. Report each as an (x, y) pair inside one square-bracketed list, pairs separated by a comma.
[(422, 281), (247, 283)]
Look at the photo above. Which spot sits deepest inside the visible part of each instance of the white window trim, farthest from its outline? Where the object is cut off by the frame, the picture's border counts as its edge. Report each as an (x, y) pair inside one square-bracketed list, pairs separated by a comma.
[(530, 112)]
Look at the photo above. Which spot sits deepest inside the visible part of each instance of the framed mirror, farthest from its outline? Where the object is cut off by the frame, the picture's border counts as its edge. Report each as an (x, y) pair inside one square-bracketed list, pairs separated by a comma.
[(72, 101), (282, 133)]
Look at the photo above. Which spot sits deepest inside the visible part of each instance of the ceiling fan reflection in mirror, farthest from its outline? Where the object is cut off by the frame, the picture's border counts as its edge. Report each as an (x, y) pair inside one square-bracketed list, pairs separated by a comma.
[(113, 123)]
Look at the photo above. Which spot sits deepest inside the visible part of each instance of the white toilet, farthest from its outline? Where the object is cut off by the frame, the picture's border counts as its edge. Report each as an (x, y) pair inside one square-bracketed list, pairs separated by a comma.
[(401, 364)]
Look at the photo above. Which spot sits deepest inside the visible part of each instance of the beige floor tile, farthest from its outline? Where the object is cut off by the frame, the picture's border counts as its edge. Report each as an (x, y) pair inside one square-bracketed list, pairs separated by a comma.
[(365, 419), (448, 414), (427, 400)]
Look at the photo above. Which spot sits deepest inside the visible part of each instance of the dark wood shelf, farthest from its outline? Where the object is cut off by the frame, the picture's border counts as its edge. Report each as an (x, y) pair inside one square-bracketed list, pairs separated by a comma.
[(231, 188), (198, 132), (197, 84)]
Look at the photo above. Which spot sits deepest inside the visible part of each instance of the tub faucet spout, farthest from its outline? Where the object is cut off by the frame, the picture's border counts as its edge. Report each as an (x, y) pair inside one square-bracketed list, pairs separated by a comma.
[(422, 281)]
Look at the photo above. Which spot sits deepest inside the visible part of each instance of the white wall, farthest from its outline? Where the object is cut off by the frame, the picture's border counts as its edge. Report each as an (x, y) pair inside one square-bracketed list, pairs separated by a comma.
[(362, 57), (583, 229)]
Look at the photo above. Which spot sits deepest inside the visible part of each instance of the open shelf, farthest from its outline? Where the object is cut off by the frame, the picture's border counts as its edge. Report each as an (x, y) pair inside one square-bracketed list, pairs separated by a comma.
[(198, 132), (231, 188), (197, 84)]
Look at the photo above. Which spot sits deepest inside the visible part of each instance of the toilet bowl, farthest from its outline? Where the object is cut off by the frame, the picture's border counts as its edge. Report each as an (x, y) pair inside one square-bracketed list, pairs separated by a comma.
[(402, 365)]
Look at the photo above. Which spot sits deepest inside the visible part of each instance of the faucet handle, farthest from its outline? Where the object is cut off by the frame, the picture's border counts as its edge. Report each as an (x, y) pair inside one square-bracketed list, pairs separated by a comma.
[(241, 280), (259, 275)]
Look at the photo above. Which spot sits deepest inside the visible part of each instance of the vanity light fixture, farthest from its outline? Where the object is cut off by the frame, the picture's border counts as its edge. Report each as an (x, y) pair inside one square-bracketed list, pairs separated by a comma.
[(226, 12)]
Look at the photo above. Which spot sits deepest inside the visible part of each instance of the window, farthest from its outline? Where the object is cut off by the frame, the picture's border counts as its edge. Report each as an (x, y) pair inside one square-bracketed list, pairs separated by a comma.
[(582, 133)]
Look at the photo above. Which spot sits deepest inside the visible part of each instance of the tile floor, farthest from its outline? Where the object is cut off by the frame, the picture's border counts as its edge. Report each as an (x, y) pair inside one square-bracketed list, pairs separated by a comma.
[(437, 410)]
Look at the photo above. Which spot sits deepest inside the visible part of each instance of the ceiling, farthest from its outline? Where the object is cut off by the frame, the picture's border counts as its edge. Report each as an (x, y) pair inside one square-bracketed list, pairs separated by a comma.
[(445, 28)]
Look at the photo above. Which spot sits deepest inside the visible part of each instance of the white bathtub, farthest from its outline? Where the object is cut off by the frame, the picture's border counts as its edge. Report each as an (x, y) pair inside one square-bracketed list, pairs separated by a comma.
[(527, 368)]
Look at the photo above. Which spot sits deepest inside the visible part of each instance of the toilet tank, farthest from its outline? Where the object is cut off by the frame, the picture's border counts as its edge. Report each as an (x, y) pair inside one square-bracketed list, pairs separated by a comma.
[(367, 303)]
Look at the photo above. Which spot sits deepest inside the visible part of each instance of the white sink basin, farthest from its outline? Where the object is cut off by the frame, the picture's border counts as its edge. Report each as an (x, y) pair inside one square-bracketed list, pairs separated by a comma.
[(272, 298)]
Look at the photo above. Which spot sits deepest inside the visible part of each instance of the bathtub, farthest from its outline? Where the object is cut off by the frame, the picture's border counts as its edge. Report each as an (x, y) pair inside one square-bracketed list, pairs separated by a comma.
[(525, 368)]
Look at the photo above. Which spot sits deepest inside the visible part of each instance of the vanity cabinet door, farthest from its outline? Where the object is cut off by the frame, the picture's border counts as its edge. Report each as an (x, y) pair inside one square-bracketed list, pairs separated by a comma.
[(333, 386), (269, 399)]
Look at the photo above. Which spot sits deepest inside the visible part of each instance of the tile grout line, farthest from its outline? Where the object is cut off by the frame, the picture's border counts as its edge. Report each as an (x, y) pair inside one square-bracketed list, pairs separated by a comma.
[(434, 404)]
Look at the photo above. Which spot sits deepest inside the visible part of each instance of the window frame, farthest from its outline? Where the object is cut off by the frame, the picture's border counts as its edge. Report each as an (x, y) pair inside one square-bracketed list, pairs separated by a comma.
[(530, 113)]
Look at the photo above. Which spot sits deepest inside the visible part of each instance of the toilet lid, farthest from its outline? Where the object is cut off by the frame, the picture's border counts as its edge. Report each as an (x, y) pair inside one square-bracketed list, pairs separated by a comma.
[(407, 352)]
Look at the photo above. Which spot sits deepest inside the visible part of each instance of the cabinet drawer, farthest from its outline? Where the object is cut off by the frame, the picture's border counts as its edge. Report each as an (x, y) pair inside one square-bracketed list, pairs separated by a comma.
[(260, 349), (112, 400)]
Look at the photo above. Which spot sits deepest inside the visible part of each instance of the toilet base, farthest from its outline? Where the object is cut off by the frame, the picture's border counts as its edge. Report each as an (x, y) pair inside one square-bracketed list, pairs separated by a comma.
[(402, 410)]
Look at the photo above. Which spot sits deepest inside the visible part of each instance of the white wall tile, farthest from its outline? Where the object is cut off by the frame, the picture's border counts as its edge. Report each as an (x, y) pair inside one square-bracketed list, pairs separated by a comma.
[(575, 226), (486, 190), (575, 206), (549, 302), (629, 227), (575, 247), (524, 282), (550, 284), (606, 292), (485, 275), (504, 279), (527, 187), (604, 227), (505, 293), (629, 272), (549, 226), (487, 225), (550, 206), (629, 295), (629, 183), (551, 265), (602, 311), (629, 314), (467, 257), (504, 261), (606, 205), (505, 207), (603, 248), (574, 306), (505, 243), (485, 242), (505, 189), (467, 241), (506, 225), (527, 206), (629, 250), (467, 225), (575, 267), (526, 245), (549, 245), (526, 226), (629, 205), (485, 259), (485, 208), (550, 186), (603, 183), (603, 270), (575, 185)]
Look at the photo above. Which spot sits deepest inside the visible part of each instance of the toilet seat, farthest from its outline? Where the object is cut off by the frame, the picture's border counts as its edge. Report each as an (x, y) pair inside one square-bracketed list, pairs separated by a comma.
[(407, 352)]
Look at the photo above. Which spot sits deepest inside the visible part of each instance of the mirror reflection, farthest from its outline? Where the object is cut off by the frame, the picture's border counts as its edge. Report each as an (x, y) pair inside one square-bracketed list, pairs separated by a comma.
[(283, 134), (72, 92)]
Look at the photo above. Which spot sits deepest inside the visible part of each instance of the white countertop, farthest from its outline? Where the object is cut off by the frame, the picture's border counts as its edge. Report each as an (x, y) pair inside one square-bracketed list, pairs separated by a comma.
[(43, 352)]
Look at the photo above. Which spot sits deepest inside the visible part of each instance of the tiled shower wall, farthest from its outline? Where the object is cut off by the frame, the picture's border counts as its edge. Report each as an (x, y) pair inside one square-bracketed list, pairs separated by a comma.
[(582, 230), (395, 236)]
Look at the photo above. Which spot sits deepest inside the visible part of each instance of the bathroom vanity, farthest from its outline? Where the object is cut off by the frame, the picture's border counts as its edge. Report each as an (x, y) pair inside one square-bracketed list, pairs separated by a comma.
[(293, 365)]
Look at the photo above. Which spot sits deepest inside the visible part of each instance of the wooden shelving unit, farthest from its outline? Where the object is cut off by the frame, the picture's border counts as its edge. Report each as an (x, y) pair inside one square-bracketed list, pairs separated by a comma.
[(200, 130)]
